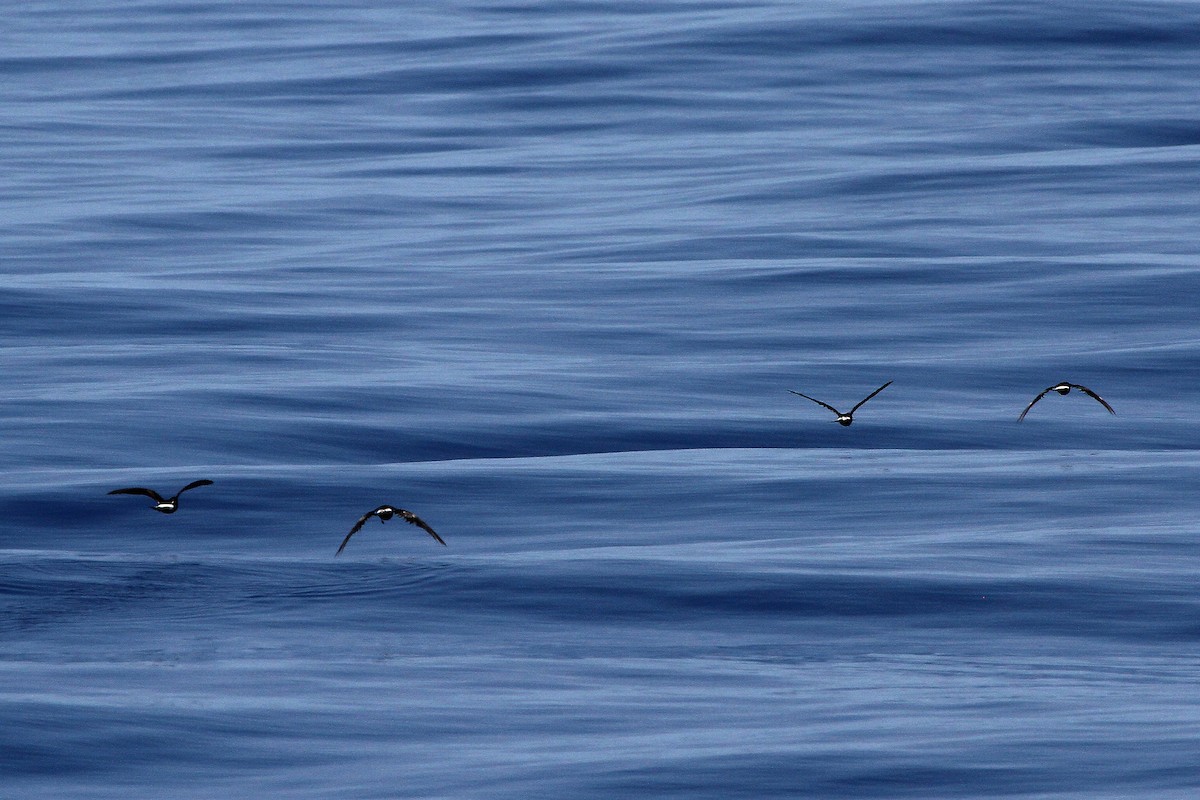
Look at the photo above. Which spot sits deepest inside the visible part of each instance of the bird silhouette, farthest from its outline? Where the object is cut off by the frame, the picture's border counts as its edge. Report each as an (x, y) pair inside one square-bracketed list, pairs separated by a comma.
[(385, 513), (167, 506), (1065, 388), (844, 419)]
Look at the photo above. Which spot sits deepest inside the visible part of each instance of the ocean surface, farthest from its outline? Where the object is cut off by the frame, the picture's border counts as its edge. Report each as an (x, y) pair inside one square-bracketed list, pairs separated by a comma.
[(544, 274)]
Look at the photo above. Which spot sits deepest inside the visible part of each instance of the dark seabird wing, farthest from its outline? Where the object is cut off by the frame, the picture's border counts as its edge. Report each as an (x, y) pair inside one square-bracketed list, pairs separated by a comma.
[(153, 495), (868, 397), (1034, 402), (818, 402), (193, 485), (420, 523), (358, 527), (1094, 396)]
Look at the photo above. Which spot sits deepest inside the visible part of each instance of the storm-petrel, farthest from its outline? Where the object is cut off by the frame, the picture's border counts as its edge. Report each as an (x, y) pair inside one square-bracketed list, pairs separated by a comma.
[(385, 513), (1065, 388), (165, 506), (844, 419)]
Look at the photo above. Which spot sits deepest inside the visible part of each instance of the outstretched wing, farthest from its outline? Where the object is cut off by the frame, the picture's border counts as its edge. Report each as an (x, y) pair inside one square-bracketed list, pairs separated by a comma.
[(153, 495), (420, 523), (1034, 402), (193, 485), (868, 397), (1094, 396), (818, 402), (357, 527)]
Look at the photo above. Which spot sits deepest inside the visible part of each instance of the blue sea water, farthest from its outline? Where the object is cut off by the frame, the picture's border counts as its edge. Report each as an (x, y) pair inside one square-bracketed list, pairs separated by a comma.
[(544, 273)]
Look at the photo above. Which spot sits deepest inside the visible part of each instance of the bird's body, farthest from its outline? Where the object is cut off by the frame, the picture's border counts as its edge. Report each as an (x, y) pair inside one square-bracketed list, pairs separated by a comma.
[(1065, 388), (385, 513), (167, 506), (847, 418)]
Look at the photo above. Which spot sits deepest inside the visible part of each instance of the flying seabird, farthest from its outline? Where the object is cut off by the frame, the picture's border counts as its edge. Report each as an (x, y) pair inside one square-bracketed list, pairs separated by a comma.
[(385, 513), (1065, 388), (165, 506), (844, 419)]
